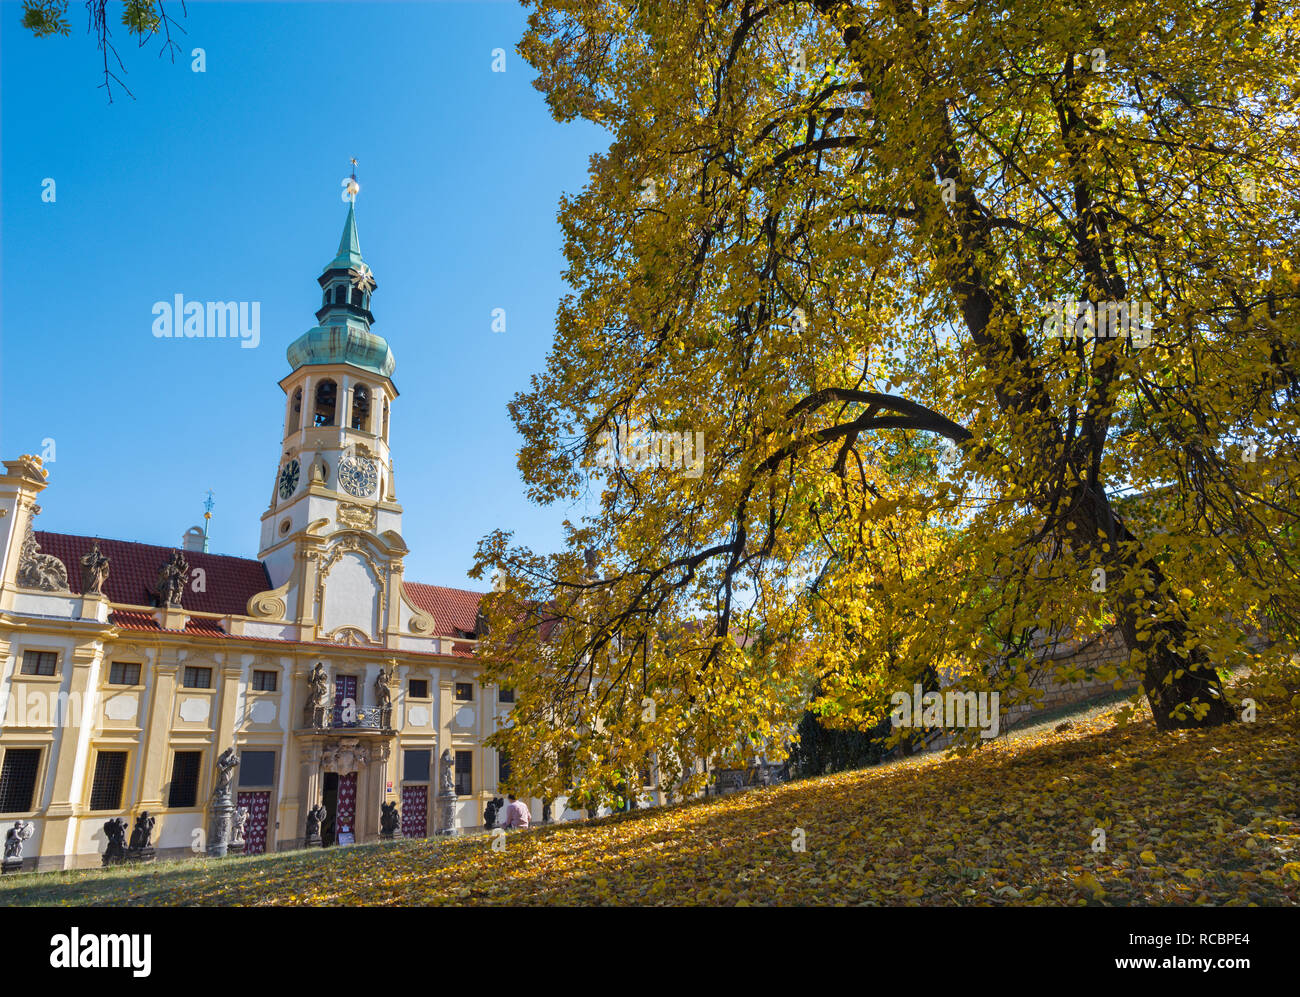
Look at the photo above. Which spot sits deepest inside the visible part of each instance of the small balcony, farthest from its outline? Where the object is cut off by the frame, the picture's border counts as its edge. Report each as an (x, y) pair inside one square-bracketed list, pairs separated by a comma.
[(362, 717), (352, 720)]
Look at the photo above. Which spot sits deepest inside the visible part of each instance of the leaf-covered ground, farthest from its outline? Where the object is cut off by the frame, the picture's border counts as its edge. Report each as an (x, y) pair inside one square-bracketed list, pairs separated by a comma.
[(1206, 817)]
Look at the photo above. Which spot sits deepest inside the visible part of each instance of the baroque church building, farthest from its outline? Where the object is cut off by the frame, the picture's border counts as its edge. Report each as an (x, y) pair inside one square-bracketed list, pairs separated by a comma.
[(127, 669)]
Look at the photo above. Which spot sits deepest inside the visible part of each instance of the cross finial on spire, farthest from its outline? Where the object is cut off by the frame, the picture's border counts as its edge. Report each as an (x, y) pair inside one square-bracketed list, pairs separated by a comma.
[(351, 187)]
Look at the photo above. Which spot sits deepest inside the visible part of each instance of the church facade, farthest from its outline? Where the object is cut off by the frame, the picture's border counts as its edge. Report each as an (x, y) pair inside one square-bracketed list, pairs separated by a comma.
[(127, 669)]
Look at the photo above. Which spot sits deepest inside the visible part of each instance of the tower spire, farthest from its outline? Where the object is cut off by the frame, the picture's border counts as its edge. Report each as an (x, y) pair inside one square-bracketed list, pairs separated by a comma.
[(208, 503), (349, 254)]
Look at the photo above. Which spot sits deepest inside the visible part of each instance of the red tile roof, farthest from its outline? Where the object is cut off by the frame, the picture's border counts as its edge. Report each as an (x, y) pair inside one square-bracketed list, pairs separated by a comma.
[(455, 611), (143, 621), (228, 582)]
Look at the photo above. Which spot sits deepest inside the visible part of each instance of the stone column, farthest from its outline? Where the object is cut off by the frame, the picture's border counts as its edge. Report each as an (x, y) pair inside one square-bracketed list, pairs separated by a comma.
[(221, 810), (310, 787), (343, 410), (307, 417)]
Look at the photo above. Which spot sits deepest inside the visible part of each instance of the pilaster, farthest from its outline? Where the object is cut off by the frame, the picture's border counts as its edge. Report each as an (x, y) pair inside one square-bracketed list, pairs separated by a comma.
[(72, 759), (157, 730)]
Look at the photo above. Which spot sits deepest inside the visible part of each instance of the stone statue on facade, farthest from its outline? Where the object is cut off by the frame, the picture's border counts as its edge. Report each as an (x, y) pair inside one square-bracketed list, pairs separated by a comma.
[(14, 839), (317, 697), (94, 572), (223, 806), (115, 833), (448, 773), (36, 570), (172, 577), (384, 696), (226, 763), (141, 847), (390, 819), (237, 824), (315, 817), (142, 833), (447, 794)]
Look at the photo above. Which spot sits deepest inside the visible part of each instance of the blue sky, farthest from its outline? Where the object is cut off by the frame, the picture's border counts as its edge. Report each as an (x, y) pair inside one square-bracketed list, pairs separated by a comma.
[(225, 185)]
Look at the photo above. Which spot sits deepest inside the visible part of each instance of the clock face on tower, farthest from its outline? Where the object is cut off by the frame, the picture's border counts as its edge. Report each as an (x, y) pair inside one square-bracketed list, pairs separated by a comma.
[(358, 476), (289, 478)]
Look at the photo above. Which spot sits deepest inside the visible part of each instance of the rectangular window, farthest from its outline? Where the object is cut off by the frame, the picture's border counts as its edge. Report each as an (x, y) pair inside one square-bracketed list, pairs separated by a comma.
[(464, 692), (197, 678), (264, 681), (415, 765), (417, 689), (184, 790), (505, 695), (256, 768), (110, 774), (18, 779), (40, 662), (503, 768), (464, 773), (124, 673)]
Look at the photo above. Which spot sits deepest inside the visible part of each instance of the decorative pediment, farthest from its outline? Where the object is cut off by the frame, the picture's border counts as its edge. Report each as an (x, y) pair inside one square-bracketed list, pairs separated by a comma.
[(351, 637)]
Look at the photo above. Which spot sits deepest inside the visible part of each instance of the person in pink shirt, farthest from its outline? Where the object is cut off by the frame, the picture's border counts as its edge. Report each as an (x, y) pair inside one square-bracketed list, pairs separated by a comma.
[(517, 814)]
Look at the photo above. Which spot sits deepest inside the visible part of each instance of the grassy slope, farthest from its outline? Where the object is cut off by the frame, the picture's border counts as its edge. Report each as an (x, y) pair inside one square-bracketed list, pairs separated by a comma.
[(1194, 817)]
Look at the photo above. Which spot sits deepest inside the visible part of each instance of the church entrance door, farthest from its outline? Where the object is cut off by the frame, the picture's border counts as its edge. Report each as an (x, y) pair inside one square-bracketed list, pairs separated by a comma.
[(330, 797), (259, 805), (347, 803), (415, 811)]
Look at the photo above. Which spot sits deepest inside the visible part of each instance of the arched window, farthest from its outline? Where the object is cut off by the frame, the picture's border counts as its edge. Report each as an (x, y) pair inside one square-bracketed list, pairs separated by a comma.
[(361, 408), (358, 297), (327, 394), (340, 294), (295, 413), (385, 421)]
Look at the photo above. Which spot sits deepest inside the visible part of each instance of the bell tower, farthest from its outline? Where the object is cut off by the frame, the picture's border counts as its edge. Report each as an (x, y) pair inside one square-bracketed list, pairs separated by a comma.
[(333, 513)]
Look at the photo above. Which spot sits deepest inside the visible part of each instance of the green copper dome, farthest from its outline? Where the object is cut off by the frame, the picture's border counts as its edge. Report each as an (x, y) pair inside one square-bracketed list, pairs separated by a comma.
[(342, 344)]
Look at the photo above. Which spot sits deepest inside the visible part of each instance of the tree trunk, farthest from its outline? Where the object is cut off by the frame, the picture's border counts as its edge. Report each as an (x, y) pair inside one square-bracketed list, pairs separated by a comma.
[(1199, 682)]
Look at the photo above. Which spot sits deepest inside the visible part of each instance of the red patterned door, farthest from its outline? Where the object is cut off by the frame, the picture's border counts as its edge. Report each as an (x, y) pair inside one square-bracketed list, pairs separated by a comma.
[(258, 803), (347, 807), (415, 811), (345, 691)]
